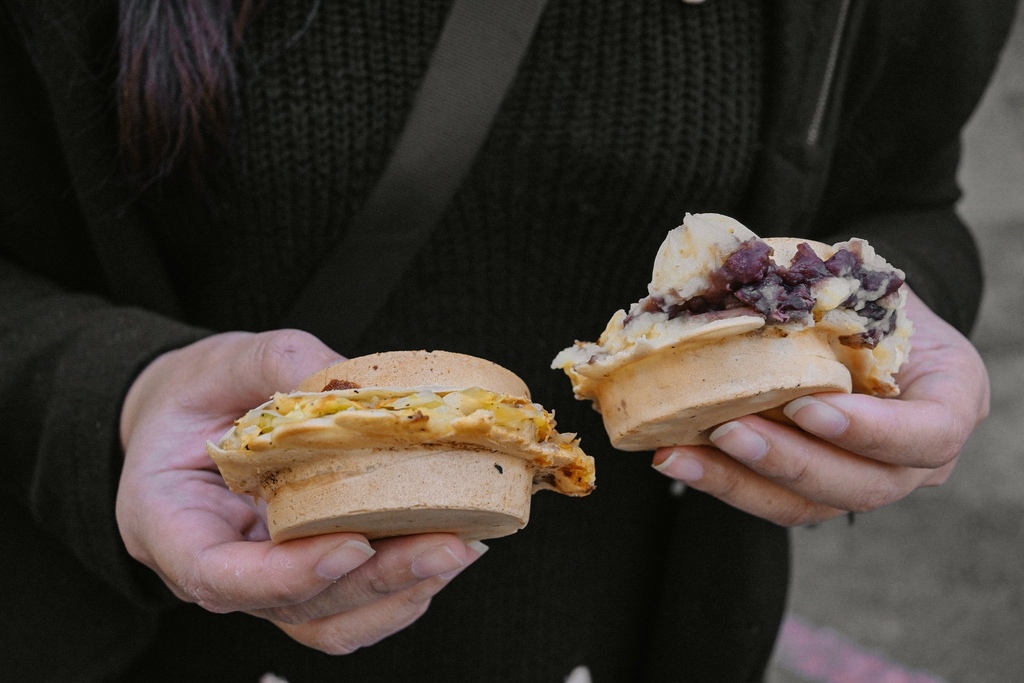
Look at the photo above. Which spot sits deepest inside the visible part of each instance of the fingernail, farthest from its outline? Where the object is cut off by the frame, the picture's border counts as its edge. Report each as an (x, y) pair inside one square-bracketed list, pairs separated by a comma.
[(739, 441), (343, 559), (817, 416), (684, 468), (478, 546), (435, 561)]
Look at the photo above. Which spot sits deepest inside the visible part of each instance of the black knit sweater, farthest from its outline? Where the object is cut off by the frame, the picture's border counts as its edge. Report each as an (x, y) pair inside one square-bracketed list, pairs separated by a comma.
[(624, 116)]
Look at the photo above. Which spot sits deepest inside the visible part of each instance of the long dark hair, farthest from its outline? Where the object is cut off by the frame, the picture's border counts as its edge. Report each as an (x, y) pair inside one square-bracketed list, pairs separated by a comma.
[(176, 82)]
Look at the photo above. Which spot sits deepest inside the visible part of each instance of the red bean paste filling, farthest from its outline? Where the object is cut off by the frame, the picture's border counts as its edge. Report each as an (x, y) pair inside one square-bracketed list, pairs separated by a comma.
[(749, 279), (339, 384)]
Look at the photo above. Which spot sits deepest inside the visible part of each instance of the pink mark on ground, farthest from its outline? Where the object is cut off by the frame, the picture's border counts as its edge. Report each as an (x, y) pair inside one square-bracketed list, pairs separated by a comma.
[(823, 655)]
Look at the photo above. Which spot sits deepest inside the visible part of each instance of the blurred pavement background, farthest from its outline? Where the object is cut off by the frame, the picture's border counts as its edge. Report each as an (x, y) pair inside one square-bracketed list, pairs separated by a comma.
[(931, 590)]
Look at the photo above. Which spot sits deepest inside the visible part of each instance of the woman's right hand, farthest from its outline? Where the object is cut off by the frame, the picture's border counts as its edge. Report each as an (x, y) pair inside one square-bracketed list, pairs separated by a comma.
[(336, 592)]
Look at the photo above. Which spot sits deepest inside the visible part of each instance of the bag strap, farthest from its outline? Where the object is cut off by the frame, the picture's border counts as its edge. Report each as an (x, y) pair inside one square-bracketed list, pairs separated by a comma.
[(473, 65)]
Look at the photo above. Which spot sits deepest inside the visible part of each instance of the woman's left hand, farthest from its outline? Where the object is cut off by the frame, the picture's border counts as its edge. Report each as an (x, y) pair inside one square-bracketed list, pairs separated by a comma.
[(848, 452)]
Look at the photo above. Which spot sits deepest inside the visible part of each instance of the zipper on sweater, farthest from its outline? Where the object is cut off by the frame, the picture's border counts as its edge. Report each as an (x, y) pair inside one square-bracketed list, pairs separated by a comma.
[(831, 65)]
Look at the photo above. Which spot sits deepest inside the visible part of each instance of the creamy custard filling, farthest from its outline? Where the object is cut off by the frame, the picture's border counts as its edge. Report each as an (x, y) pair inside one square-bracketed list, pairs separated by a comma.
[(296, 427), (440, 406)]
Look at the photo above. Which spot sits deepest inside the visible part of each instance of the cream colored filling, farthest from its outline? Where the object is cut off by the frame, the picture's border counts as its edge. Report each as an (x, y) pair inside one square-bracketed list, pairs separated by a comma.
[(442, 407)]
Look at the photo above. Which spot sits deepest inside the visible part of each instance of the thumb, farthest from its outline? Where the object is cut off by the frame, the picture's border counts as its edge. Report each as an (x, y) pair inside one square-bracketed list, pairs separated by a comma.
[(279, 360), (224, 373)]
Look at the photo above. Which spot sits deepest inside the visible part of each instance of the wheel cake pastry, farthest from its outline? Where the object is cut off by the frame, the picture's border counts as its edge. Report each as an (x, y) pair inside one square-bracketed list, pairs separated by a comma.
[(734, 325), (400, 443)]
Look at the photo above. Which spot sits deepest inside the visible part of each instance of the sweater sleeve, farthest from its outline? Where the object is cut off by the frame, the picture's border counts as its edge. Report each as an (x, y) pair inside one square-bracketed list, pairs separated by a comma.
[(68, 361), (920, 232), (69, 355), (915, 80)]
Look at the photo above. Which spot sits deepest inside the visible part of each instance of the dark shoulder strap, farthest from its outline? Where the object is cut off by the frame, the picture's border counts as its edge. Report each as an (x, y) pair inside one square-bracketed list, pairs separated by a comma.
[(472, 67)]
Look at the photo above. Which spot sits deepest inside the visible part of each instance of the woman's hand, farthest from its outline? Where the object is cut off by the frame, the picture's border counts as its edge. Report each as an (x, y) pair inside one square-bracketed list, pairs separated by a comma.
[(848, 452), (336, 592)]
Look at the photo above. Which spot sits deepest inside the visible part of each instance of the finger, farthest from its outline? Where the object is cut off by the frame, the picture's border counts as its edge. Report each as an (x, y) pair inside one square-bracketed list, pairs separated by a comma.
[(221, 376), (709, 470), (400, 564), (345, 633), (350, 630), (945, 395), (913, 433), (812, 468), (280, 360), (249, 576), (211, 514)]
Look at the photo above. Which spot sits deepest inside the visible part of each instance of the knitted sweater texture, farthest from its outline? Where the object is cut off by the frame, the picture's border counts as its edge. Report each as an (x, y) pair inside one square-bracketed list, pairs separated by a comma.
[(624, 116), (823, 120)]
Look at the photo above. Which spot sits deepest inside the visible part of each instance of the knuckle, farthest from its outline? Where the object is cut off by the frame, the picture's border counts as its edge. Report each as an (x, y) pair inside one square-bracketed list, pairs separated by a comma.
[(984, 407), (864, 504), (417, 608), (292, 614), (329, 640), (796, 472), (205, 597), (938, 478), (365, 586), (376, 585), (408, 607), (280, 348), (948, 443), (415, 601), (135, 549), (878, 495), (801, 513), (284, 581), (727, 483), (953, 444), (338, 649), (878, 441), (202, 592), (199, 584), (343, 634), (942, 443)]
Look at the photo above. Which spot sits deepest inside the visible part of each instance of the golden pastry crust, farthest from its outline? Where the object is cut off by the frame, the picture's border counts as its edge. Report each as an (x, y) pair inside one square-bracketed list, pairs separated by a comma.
[(401, 443)]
